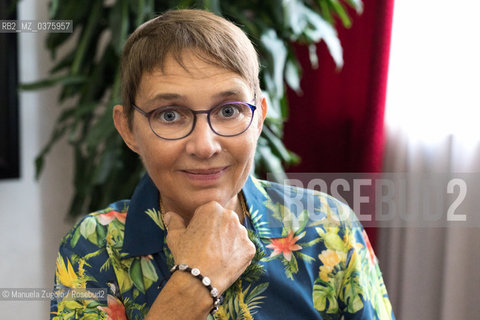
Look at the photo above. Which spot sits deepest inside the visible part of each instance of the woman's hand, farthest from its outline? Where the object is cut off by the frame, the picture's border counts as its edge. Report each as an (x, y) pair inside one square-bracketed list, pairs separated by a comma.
[(214, 241)]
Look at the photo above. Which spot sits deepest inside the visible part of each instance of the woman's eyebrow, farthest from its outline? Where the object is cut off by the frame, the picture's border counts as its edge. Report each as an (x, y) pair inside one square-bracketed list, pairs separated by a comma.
[(165, 96), (228, 93)]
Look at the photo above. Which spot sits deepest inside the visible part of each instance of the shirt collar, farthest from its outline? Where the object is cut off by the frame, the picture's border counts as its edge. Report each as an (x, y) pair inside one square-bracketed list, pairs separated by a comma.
[(143, 236), (261, 197)]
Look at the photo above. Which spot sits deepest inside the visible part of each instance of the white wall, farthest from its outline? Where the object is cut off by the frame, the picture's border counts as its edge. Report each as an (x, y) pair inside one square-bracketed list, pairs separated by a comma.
[(32, 212)]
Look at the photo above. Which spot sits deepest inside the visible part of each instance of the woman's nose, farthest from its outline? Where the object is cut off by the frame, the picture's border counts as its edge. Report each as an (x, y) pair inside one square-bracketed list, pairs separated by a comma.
[(203, 143)]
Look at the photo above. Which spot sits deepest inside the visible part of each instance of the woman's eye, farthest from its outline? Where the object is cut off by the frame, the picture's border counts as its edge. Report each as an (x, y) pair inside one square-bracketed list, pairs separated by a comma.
[(169, 115), (229, 111)]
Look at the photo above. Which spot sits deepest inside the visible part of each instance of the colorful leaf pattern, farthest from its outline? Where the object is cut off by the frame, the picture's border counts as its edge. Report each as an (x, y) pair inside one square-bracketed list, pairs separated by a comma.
[(103, 229), (326, 264)]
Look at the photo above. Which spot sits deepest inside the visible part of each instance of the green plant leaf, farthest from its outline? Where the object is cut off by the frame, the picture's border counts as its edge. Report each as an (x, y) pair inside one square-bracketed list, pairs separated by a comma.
[(89, 74), (357, 5), (292, 75), (63, 80), (322, 30), (325, 10), (342, 14), (277, 55), (64, 63), (312, 54), (294, 18), (276, 145), (67, 10), (119, 22), (271, 164), (108, 159), (86, 37), (53, 7), (274, 112), (213, 6), (58, 132), (184, 4)]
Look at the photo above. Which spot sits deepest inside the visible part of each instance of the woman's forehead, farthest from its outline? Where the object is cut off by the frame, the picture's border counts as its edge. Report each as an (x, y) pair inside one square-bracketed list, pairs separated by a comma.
[(195, 78)]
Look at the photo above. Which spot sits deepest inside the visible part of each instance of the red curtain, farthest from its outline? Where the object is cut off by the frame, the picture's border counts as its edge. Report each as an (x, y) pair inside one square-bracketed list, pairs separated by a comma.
[(340, 114)]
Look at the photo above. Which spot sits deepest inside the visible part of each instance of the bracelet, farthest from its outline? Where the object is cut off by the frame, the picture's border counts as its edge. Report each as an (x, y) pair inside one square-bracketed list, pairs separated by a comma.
[(217, 300)]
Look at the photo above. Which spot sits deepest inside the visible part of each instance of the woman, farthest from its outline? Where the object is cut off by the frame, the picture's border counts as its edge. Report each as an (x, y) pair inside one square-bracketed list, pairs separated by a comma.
[(200, 236)]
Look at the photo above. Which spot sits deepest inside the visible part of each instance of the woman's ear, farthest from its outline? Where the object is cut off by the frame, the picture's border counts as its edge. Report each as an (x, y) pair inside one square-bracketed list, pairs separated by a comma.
[(263, 107), (120, 120)]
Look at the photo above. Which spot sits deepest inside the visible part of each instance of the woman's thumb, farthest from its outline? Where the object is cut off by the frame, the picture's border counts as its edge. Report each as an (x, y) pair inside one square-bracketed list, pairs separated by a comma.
[(173, 221)]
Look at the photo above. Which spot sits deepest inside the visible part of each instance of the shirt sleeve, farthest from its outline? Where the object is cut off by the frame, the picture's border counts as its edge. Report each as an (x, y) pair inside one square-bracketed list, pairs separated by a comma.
[(81, 286), (363, 294), (349, 283)]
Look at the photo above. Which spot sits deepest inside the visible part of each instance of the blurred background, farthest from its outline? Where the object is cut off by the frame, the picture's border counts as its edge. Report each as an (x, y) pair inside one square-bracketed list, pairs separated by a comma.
[(406, 100)]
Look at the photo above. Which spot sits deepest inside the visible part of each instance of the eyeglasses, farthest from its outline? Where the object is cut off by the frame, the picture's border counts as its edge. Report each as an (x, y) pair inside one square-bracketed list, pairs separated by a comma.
[(228, 119)]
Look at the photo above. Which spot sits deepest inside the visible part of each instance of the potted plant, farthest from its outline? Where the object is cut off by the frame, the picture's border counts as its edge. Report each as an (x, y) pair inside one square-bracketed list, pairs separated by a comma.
[(104, 168)]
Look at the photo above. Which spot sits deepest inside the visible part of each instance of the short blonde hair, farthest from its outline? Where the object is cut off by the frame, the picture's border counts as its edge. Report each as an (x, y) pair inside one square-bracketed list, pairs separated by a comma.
[(210, 37)]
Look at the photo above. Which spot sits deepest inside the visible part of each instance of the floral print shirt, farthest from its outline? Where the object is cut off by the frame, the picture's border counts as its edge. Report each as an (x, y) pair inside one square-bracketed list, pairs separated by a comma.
[(313, 260)]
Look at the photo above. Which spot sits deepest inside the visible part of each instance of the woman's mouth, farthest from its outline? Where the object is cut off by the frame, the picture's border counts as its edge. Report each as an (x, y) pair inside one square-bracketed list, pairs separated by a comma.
[(205, 175)]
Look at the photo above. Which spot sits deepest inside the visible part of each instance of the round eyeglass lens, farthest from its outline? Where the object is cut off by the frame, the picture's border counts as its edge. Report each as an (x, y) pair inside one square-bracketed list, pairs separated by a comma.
[(172, 122), (231, 118)]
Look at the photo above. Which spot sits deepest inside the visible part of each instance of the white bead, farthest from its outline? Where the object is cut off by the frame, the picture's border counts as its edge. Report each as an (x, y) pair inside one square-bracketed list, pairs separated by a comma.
[(214, 292), (182, 267), (195, 272), (206, 281)]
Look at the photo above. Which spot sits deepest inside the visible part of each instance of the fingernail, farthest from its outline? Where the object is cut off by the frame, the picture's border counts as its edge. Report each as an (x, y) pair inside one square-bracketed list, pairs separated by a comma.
[(166, 218)]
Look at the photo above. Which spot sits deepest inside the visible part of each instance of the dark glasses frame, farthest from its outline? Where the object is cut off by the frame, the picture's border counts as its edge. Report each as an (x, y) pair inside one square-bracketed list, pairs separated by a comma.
[(149, 114)]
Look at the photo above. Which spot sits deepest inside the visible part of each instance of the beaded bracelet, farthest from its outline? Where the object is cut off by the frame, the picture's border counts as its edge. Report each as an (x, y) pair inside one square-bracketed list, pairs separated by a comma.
[(217, 300)]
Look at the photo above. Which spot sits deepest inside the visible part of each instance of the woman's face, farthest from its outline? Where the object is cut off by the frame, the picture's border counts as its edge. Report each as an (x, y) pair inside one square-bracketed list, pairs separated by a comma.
[(202, 166)]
